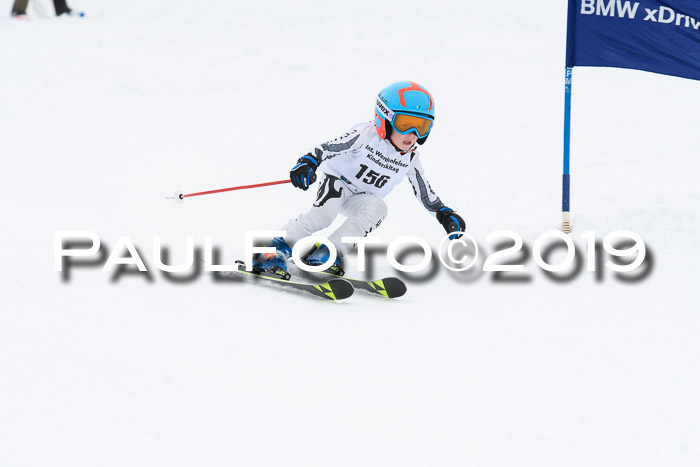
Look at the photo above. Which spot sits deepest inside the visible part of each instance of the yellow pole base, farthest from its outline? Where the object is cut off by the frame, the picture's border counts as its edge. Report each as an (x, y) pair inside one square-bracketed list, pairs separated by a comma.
[(566, 222)]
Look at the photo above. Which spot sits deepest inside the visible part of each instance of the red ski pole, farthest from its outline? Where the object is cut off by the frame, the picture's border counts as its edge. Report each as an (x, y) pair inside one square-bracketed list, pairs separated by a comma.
[(181, 196)]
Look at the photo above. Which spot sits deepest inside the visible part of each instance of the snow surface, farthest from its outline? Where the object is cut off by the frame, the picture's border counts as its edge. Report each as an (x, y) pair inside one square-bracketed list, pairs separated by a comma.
[(101, 118)]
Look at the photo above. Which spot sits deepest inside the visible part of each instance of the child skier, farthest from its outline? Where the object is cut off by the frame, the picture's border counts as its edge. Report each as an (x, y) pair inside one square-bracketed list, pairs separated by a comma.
[(362, 167)]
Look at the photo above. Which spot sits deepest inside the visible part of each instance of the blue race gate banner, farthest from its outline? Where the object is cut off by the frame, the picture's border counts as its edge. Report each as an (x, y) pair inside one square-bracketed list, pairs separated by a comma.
[(651, 35)]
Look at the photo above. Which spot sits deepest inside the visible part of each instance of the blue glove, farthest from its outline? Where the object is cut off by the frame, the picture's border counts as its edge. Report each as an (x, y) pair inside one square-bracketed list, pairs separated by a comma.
[(303, 174), (451, 221)]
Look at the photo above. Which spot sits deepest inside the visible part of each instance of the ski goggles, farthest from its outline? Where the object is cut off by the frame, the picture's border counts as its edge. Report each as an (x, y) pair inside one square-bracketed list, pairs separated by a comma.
[(404, 124)]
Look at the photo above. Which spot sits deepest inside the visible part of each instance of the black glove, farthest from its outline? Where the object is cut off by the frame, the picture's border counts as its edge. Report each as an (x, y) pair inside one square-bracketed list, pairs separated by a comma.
[(303, 174), (451, 221)]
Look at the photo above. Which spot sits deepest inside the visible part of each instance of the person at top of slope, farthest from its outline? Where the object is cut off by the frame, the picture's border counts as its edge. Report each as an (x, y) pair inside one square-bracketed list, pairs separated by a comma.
[(360, 168), (19, 8)]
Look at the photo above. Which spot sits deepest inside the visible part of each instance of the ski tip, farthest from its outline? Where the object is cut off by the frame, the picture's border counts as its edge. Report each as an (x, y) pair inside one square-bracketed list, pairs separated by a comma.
[(340, 288), (394, 287)]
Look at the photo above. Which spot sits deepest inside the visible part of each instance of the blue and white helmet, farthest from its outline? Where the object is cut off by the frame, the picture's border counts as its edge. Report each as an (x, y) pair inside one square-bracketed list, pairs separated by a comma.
[(404, 107)]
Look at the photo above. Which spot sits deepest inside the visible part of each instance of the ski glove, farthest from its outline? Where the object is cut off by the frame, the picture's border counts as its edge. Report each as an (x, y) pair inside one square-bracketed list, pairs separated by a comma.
[(451, 221), (303, 174)]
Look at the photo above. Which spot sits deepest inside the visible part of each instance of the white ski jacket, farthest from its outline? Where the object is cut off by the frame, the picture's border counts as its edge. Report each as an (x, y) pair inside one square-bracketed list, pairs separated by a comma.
[(370, 164)]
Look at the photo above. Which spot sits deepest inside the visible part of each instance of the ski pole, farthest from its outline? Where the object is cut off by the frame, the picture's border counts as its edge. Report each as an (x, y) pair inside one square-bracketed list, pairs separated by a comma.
[(182, 196)]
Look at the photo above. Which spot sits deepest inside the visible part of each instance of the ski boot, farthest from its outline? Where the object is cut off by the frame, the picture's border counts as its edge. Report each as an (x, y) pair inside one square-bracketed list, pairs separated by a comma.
[(319, 254), (274, 264)]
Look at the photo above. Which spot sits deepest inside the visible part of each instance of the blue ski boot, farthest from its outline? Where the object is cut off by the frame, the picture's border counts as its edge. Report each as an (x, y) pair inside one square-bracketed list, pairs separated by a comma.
[(320, 254), (274, 263)]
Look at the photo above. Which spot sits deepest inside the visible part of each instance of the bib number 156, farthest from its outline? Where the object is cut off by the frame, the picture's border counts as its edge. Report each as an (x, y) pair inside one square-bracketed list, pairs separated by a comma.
[(372, 177)]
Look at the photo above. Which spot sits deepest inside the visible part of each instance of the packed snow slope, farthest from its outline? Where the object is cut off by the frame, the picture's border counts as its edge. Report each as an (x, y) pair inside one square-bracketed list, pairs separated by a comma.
[(103, 117)]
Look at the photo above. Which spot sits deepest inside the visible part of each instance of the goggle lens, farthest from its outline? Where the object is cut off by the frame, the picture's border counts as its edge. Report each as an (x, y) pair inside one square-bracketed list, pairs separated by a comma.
[(405, 123)]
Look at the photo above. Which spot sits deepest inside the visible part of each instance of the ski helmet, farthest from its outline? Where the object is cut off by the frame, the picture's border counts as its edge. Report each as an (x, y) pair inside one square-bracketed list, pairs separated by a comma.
[(405, 107)]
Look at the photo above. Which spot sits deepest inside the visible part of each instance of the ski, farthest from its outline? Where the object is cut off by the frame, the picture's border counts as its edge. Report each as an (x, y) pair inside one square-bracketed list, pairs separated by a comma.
[(335, 289), (389, 287)]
